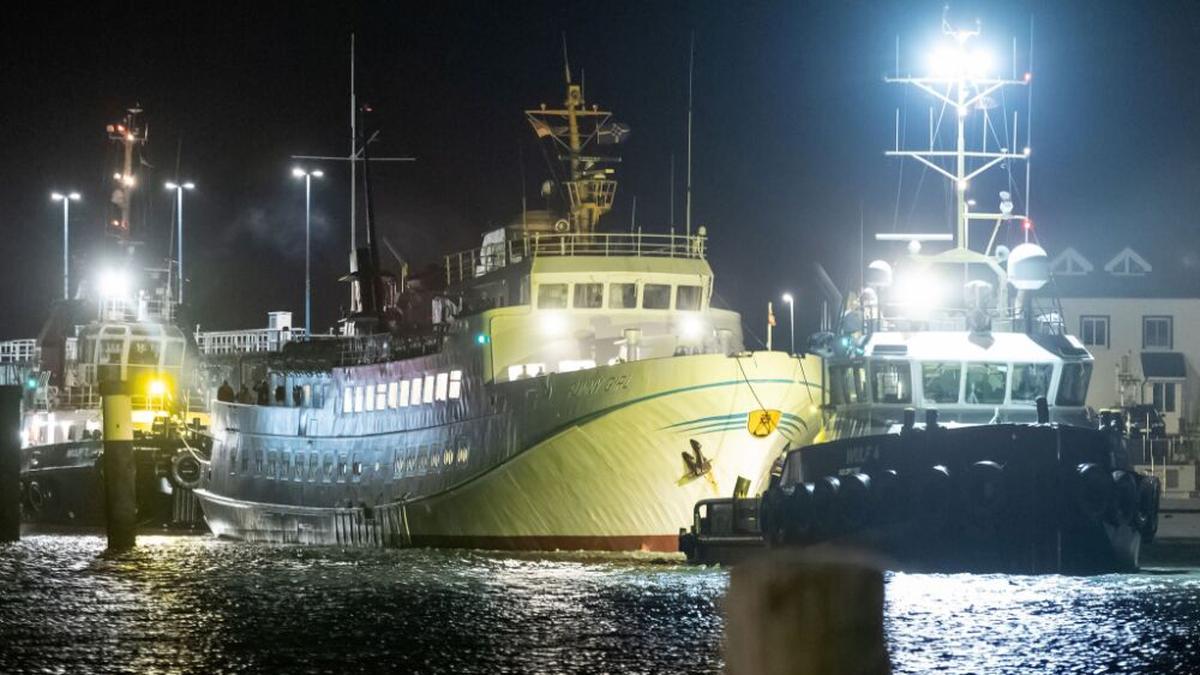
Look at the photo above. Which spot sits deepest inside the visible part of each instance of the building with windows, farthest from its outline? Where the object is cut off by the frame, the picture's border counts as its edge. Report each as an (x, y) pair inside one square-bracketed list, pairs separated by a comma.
[(1139, 315)]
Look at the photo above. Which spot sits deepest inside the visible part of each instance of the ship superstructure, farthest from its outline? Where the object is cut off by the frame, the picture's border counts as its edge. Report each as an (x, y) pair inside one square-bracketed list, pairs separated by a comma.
[(556, 387), (962, 331)]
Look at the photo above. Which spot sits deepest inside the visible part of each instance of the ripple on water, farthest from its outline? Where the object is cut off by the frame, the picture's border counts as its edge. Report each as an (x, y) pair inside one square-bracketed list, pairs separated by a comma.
[(202, 605)]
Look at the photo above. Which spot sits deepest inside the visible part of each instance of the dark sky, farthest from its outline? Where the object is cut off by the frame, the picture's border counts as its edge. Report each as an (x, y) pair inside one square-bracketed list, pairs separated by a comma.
[(791, 120)]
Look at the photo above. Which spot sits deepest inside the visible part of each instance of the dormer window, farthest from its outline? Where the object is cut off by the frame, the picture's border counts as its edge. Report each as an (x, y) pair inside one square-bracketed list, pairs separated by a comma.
[(1070, 263), (1128, 263)]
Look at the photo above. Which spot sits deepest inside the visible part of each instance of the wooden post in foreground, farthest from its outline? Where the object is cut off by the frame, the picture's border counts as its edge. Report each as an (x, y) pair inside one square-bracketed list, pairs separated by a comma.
[(10, 463), (805, 614), (120, 492)]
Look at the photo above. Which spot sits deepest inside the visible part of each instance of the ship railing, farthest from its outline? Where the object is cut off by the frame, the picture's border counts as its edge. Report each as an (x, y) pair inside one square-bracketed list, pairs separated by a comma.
[(245, 341), (18, 351), (366, 349), (477, 262)]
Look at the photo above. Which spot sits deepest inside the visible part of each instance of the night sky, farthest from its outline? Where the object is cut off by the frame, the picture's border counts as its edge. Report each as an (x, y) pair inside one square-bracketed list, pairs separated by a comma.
[(791, 121)]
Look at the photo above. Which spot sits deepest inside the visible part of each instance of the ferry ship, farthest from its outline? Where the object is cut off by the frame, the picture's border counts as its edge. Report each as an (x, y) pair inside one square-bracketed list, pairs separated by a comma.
[(558, 387), (955, 434)]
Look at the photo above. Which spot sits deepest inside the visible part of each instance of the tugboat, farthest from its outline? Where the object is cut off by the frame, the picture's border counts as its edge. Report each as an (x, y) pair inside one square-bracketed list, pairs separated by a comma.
[(955, 434), (120, 325), (558, 387)]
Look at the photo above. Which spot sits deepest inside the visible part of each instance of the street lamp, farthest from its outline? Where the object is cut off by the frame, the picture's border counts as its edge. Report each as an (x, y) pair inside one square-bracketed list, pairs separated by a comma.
[(307, 176), (787, 297), (66, 200), (179, 188)]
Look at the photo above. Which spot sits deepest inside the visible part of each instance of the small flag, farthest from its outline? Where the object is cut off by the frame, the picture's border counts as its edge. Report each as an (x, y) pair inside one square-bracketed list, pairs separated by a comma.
[(540, 128), (770, 316)]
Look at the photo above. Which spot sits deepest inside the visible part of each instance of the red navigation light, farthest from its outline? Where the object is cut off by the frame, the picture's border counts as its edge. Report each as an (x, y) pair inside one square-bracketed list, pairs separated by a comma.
[(1027, 224), (1028, 76)]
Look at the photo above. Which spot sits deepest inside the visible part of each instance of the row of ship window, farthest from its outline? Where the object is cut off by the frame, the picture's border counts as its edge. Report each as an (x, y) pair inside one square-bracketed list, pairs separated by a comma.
[(299, 466), (620, 296), (402, 393)]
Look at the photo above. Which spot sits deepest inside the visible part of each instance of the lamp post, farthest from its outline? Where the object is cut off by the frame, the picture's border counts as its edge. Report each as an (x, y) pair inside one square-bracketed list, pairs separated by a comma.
[(179, 188), (66, 200), (787, 297), (307, 176)]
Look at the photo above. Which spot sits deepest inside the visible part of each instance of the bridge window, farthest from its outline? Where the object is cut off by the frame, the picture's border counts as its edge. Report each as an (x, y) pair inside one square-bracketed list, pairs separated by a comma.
[(891, 382), (986, 383), (416, 391), (358, 399), (589, 296), (328, 467), (455, 384), (393, 394), (369, 398), (1073, 385), (552, 296), (656, 296), (940, 381), (847, 385), (443, 383), (404, 393), (298, 467), (1031, 380), (427, 396), (687, 298), (622, 296), (380, 396), (314, 467)]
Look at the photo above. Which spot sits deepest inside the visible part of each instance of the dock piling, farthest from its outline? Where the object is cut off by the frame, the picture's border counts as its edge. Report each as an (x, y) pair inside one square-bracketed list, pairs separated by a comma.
[(10, 463), (802, 613), (120, 495)]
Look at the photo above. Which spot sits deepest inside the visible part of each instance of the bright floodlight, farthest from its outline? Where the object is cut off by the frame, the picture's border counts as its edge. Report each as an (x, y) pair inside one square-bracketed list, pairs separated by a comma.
[(56, 196), (171, 186), (115, 283), (189, 185), (956, 62), (919, 292), (787, 297), (691, 327), (298, 172), (318, 173)]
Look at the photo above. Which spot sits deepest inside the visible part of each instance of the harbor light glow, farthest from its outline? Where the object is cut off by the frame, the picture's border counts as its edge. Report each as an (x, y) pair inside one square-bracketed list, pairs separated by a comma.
[(115, 283), (691, 327), (919, 293), (956, 62), (553, 323), (157, 388)]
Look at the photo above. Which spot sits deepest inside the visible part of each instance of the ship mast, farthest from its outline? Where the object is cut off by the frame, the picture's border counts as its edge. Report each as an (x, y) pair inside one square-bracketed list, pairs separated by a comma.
[(960, 80), (589, 185), (128, 133)]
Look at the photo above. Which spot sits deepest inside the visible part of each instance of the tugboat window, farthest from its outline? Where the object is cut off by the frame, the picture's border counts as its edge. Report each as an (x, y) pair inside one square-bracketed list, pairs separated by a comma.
[(314, 467), (1031, 380), (656, 296), (891, 382), (358, 399), (416, 391), (589, 296), (986, 383), (552, 296), (687, 298), (404, 393), (845, 386), (455, 383), (380, 396), (1072, 388), (443, 383), (392, 394), (940, 381), (427, 397), (622, 296)]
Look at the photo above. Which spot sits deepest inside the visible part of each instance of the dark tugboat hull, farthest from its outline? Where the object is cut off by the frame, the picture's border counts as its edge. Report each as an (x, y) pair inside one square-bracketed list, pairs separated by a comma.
[(1027, 499), (62, 486)]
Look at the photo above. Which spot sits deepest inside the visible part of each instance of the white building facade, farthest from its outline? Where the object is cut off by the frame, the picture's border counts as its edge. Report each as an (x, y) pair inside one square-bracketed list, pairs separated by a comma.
[(1141, 322)]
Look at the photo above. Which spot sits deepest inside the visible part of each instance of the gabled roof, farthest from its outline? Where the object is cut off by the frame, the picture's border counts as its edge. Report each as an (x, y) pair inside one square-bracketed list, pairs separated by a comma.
[(1070, 263), (1128, 263)]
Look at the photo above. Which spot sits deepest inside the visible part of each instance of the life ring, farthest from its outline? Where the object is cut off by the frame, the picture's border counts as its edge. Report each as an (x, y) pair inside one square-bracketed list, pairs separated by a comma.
[(1149, 493), (1124, 505), (854, 501), (186, 471), (1093, 490)]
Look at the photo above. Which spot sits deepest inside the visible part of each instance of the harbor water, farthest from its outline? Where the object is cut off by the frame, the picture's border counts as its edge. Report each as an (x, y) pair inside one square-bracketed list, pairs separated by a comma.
[(201, 605)]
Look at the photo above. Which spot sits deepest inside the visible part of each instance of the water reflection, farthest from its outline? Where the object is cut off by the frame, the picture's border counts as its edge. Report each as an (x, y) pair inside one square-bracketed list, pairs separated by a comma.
[(202, 605)]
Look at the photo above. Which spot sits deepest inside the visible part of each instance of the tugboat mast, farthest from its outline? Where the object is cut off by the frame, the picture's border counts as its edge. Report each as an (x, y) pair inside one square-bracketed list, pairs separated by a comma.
[(960, 79), (128, 133)]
